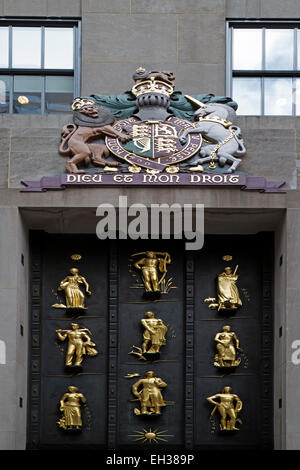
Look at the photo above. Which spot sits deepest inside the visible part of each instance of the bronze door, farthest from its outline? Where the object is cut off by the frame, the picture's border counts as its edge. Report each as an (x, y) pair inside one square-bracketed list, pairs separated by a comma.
[(169, 363), (252, 323)]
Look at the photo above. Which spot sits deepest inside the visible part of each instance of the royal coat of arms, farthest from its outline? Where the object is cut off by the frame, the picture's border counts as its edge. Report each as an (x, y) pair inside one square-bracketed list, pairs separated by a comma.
[(159, 131), (153, 134), (155, 145)]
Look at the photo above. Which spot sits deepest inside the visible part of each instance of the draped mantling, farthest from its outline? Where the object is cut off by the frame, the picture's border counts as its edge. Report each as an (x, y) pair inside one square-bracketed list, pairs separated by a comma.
[(124, 104)]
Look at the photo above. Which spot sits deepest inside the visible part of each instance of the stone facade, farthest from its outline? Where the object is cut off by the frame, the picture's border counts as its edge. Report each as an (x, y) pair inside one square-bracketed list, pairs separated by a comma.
[(187, 37)]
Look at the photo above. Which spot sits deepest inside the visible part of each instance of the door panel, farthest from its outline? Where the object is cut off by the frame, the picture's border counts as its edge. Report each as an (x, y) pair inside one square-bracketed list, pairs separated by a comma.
[(169, 364), (247, 322), (50, 378)]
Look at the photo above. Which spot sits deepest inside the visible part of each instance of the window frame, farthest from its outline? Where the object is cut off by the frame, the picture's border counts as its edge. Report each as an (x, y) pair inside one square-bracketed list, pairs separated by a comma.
[(43, 23), (293, 73)]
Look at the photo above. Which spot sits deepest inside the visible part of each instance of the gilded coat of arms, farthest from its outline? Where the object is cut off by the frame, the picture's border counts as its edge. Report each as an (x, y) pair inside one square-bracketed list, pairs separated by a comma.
[(144, 135), (155, 145), (152, 128)]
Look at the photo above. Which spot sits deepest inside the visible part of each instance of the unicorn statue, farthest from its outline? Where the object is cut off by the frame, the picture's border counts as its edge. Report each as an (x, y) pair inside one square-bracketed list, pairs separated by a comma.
[(222, 140)]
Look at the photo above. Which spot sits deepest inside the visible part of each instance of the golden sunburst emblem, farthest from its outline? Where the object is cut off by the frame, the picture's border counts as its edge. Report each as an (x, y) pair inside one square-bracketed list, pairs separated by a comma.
[(151, 435)]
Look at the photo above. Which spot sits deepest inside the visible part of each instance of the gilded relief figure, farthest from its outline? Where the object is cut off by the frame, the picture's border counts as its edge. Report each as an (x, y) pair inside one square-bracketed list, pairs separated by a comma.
[(70, 405), (227, 346), (228, 406), (147, 390), (79, 344), (228, 294), (75, 298), (228, 297), (151, 265), (154, 336)]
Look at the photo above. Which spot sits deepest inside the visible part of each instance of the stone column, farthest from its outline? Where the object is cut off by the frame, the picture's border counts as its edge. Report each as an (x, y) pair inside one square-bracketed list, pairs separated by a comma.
[(280, 269), (13, 347), (291, 359)]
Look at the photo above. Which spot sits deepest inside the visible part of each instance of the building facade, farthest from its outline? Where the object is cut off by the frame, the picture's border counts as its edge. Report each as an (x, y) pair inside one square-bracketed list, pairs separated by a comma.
[(39, 231)]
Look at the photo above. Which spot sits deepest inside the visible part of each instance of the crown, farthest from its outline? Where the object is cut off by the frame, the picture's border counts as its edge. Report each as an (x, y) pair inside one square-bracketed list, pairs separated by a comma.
[(76, 257), (152, 86), (78, 103), (140, 70), (227, 258), (215, 119)]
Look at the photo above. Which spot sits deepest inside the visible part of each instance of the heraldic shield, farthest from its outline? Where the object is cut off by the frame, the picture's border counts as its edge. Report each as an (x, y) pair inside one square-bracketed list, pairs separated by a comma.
[(155, 145)]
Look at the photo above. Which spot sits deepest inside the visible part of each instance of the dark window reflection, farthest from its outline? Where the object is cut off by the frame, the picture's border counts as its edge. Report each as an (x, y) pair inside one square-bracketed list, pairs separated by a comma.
[(27, 94), (59, 94)]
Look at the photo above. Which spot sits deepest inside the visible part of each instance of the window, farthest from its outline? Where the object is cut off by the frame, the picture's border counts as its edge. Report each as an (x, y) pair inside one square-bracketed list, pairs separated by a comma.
[(263, 74), (39, 66)]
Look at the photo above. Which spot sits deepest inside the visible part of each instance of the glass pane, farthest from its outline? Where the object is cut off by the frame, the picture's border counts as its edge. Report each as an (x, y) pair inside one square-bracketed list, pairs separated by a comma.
[(278, 96), (59, 94), (4, 93), (26, 48), (279, 49), (27, 94), (298, 96), (298, 49), (247, 49), (58, 48), (247, 93), (3, 47)]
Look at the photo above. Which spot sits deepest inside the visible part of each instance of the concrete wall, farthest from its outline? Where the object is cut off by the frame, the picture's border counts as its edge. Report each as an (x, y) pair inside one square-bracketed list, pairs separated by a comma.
[(14, 313), (187, 37), (29, 148), (292, 329), (281, 349)]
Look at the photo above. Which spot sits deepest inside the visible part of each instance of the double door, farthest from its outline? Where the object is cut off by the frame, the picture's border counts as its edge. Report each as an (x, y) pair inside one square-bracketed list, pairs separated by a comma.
[(148, 348)]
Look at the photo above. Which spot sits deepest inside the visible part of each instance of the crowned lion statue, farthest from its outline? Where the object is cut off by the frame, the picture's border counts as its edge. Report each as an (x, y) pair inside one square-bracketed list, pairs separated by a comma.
[(90, 122)]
